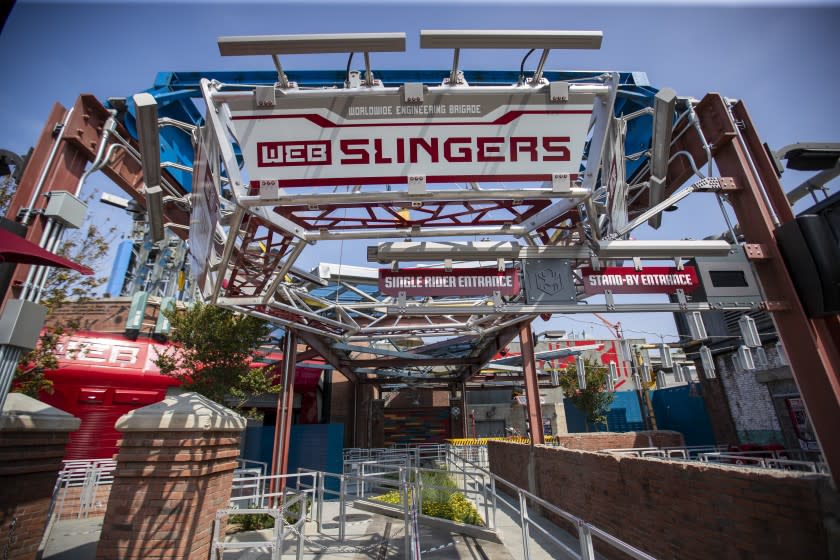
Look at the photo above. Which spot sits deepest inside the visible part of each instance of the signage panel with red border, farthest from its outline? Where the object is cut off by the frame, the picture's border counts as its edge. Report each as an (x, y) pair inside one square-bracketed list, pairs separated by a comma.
[(649, 280), (457, 282), (308, 141)]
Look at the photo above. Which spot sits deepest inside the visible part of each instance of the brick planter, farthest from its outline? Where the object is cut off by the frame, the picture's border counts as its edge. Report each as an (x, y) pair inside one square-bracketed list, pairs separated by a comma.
[(174, 471), (33, 438)]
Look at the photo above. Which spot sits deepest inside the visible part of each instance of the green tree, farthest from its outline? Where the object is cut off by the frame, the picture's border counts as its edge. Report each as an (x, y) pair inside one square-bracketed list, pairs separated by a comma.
[(212, 353), (594, 401), (88, 246)]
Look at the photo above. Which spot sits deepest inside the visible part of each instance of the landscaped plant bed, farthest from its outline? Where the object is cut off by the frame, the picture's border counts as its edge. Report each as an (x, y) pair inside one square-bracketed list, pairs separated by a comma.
[(442, 505)]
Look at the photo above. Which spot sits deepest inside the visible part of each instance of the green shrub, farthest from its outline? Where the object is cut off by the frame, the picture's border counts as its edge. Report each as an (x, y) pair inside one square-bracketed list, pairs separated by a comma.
[(441, 499)]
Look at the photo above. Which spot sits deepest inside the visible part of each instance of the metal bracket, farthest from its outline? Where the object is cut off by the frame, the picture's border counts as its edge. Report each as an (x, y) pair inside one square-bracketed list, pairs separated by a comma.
[(500, 265), (558, 92), (354, 79), (395, 265), (413, 92), (596, 263), (401, 301), (774, 306), (678, 263), (497, 301), (728, 184), (756, 251), (610, 301), (561, 182), (681, 299), (416, 185), (447, 265), (265, 96), (715, 184), (637, 263), (269, 188)]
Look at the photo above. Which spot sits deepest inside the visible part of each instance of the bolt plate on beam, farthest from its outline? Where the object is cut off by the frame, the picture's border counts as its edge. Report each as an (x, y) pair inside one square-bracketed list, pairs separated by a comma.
[(413, 92), (558, 91), (416, 184), (773, 306), (756, 251), (561, 182)]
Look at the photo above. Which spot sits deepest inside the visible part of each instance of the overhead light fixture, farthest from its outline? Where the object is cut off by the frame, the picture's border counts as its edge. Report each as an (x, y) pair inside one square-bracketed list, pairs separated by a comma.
[(154, 212), (749, 331), (664, 104), (420, 251), (311, 44), (146, 119), (415, 251), (509, 39), (708, 362), (627, 249)]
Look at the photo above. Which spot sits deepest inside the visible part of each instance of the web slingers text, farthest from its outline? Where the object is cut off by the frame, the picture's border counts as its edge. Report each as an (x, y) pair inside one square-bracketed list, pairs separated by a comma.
[(365, 151)]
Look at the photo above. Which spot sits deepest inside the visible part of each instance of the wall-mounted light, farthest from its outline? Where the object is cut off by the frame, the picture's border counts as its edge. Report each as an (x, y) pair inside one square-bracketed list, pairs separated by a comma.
[(744, 358), (696, 326), (665, 356), (708, 362), (581, 372), (749, 332)]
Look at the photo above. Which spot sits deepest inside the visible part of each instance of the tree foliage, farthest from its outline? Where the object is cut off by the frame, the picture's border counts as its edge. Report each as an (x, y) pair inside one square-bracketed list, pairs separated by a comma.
[(594, 401), (88, 246), (212, 353)]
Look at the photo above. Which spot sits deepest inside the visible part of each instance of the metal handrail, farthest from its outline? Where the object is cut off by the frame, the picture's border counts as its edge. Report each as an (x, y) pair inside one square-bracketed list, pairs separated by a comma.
[(585, 530)]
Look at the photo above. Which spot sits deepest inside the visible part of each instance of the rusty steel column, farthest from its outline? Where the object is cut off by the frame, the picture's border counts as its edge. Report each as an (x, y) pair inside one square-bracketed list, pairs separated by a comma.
[(811, 344), (283, 421), (532, 385)]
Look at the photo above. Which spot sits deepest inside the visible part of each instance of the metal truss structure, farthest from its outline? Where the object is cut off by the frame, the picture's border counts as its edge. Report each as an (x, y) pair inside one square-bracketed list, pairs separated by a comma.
[(630, 153), (263, 226)]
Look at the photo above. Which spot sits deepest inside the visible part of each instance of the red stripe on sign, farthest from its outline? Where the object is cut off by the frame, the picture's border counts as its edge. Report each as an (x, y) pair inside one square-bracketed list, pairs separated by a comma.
[(401, 180), (324, 122)]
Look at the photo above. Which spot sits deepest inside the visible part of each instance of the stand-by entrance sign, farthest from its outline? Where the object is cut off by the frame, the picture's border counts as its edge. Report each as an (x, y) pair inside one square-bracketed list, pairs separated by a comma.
[(379, 137), (457, 282), (649, 280)]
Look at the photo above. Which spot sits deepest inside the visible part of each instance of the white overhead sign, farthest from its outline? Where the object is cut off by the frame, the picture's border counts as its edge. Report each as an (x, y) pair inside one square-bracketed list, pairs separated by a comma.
[(378, 138)]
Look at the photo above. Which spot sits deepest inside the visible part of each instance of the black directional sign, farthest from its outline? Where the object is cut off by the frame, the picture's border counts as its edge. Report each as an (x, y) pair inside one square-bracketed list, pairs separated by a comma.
[(548, 281)]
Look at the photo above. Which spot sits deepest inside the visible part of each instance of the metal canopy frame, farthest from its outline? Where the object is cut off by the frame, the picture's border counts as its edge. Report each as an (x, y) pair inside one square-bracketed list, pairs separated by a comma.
[(263, 227)]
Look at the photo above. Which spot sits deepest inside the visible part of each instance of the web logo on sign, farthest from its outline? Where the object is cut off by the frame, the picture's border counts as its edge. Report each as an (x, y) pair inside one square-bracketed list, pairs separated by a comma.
[(282, 154)]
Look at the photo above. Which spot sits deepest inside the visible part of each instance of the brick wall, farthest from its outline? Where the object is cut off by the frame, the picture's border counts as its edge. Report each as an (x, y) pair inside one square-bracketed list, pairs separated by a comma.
[(621, 440), (750, 403), (29, 465), (166, 491), (684, 510)]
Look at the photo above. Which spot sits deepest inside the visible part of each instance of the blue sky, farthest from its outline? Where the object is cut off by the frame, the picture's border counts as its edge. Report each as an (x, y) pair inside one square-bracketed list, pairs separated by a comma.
[(781, 58)]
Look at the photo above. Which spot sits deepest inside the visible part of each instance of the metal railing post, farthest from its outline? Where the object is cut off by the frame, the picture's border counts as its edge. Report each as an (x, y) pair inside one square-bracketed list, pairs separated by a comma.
[(301, 528), (321, 483), (587, 552), (406, 514), (342, 490), (523, 519), (493, 491)]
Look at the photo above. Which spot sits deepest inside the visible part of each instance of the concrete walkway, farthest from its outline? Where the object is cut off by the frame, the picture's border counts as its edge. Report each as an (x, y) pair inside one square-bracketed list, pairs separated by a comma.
[(368, 536)]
